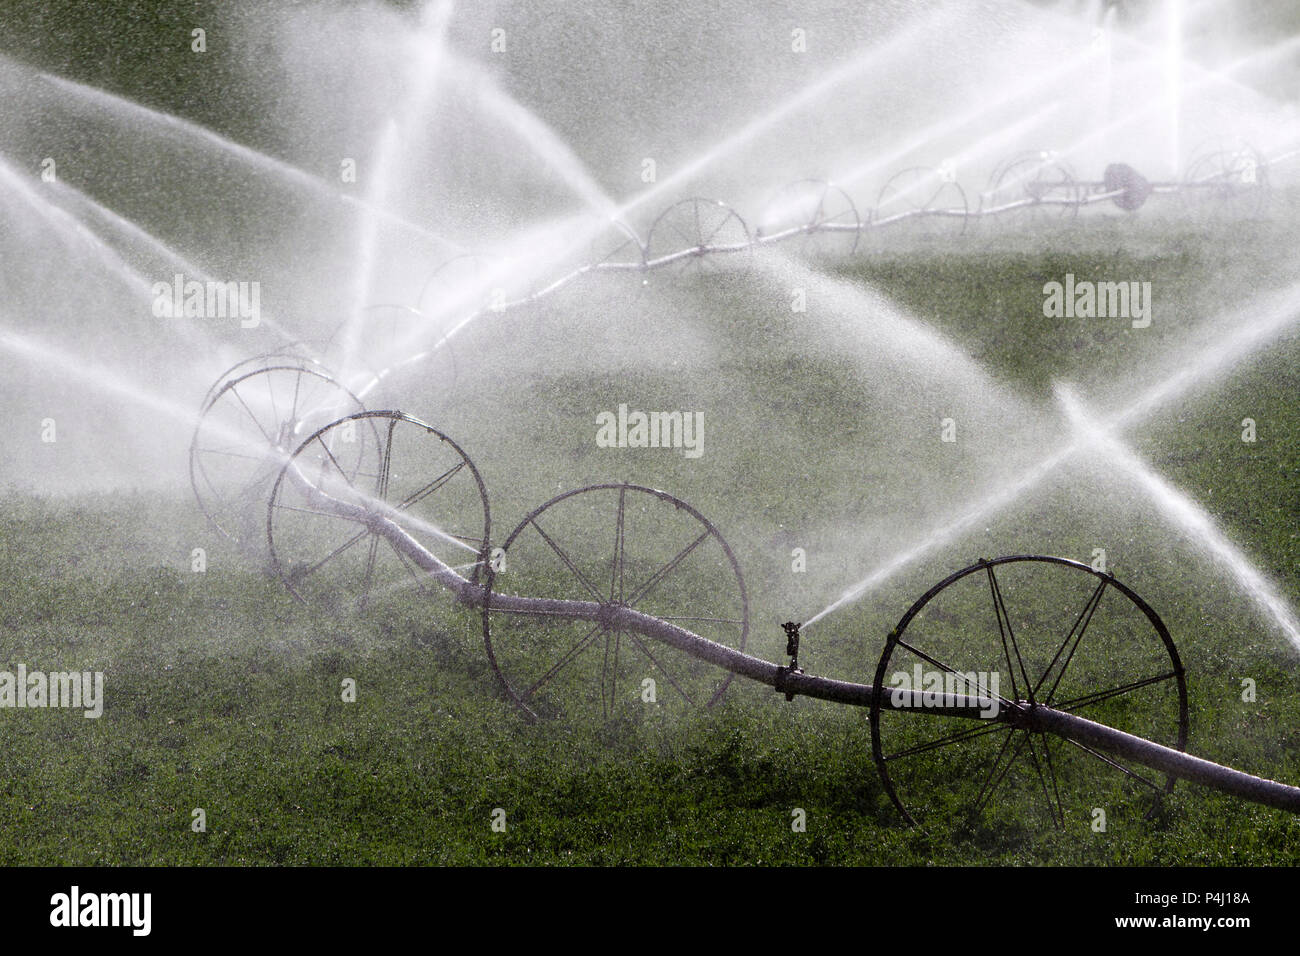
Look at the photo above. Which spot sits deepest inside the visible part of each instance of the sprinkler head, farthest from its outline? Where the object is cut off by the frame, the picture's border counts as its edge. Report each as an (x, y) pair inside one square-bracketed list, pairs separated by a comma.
[(792, 648), (791, 638)]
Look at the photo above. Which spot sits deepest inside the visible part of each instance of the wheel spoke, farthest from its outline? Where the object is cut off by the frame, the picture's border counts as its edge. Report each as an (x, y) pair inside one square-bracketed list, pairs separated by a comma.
[(421, 580), (609, 674), (653, 660), (1122, 769), (385, 465), (343, 474), (820, 212), (275, 411), (616, 565), (1042, 780), (259, 478), (958, 737), (367, 580), (1006, 650), (1056, 789), (229, 454), (1010, 635), (234, 390), (568, 562), (667, 569), (293, 408), (308, 511), (565, 660), (690, 243), (1080, 625), (336, 552), (718, 228), (431, 487), (956, 673), (604, 678), (995, 777), (1094, 698)]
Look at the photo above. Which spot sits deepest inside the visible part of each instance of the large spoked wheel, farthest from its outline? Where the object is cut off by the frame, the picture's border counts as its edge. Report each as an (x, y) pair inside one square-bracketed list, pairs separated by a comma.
[(922, 202), (817, 217), (1015, 631), (248, 426), (697, 235), (319, 522), (613, 544)]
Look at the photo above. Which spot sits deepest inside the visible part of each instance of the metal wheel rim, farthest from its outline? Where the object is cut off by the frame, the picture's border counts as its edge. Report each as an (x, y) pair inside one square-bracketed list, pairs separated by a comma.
[(1108, 580), (711, 531), (376, 420), (706, 219), (196, 469), (819, 218)]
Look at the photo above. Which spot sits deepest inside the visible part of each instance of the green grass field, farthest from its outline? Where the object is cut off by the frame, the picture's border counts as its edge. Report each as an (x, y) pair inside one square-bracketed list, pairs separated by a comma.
[(222, 693)]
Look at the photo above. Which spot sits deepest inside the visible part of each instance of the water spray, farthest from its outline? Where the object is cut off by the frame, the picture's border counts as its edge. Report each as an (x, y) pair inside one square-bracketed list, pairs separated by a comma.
[(322, 484)]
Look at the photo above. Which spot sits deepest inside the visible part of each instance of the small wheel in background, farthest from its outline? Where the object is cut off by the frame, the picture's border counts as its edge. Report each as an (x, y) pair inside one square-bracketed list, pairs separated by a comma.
[(1227, 178), (1037, 188), (697, 235), (819, 218), (923, 203)]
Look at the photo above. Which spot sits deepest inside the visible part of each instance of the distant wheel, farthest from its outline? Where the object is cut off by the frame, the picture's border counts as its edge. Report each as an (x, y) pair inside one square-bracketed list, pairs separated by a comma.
[(250, 423), (1036, 188), (817, 217), (697, 235), (613, 544), (1227, 178), (1015, 630), (385, 464), (921, 202)]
